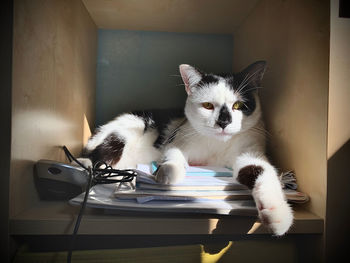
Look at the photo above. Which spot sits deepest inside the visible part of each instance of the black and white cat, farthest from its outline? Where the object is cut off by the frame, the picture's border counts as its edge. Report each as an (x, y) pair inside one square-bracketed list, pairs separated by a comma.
[(221, 126)]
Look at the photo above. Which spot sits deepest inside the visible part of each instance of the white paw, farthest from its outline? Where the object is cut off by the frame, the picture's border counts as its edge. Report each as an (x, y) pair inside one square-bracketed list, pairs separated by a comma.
[(170, 173), (278, 218), (274, 211)]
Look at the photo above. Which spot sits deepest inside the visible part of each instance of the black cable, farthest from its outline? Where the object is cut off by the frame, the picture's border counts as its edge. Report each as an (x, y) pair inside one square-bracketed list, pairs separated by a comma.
[(72, 158), (80, 215), (97, 175), (104, 175)]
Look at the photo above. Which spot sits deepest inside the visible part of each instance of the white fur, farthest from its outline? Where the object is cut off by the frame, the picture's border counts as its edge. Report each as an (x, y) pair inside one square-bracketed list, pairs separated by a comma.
[(139, 145), (273, 208)]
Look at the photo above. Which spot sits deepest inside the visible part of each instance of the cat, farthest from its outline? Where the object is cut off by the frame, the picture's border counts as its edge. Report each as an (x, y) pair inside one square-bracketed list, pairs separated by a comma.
[(221, 125)]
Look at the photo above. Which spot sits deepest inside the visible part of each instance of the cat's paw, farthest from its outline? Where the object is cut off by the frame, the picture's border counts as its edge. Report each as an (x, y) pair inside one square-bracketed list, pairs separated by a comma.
[(276, 215), (170, 173)]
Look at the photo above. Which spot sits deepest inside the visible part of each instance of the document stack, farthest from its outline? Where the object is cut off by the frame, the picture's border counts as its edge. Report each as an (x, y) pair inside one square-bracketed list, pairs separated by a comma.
[(204, 190)]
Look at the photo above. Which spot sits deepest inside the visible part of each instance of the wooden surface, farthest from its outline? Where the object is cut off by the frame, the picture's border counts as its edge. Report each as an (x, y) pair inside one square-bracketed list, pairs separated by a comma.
[(338, 195), (56, 218), (293, 37), (54, 59), (6, 21), (195, 16), (54, 69), (265, 250), (339, 79)]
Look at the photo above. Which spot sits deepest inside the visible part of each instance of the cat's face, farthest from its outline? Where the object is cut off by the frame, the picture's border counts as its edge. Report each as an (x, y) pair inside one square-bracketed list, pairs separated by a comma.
[(222, 105)]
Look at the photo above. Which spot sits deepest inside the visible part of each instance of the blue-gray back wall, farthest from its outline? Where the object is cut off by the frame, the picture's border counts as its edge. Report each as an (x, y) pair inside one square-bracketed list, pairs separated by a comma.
[(139, 69)]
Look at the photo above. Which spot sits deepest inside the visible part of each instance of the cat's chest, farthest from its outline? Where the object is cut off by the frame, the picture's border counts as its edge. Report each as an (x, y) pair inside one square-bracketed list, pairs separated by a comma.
[(202, 151)]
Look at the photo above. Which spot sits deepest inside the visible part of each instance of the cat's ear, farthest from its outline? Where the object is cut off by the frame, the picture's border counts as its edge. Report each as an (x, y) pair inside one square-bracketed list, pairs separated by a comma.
[(254, 73), (190, 76)]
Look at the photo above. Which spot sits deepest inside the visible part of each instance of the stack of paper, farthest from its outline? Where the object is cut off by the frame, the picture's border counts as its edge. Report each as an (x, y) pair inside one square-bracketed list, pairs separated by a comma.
[(102, 196), (200, 183), (205, 190)]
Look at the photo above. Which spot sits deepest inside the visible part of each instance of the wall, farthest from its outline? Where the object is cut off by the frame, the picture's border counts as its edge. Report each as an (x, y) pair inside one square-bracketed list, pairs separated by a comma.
[(139, 70), (339, 79), (54, 68), (293, 36), (6, 21), (338, 180)]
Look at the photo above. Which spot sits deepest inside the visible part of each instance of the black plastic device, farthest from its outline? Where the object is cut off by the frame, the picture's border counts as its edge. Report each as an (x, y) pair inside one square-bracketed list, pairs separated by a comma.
[(59, 181)]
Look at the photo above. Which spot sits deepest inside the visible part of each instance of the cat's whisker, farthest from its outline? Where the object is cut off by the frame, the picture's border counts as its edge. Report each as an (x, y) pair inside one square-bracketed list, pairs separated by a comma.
[(255, 88), (188, 135), (181, 133), (261, 131), (246, 81), (257, 133), (240, 89), (243, 82), (246, 105)]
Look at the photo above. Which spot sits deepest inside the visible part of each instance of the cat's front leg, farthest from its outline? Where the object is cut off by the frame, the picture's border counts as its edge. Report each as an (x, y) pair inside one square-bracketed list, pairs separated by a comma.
[(172, 169), (260, 176)]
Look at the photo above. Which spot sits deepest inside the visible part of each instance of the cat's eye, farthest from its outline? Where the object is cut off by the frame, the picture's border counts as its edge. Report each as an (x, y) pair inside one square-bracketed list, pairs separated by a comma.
[(237, 105), (208, 105)]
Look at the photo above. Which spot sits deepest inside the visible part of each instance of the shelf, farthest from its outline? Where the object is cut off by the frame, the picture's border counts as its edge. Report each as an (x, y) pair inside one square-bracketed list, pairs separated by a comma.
[(58, 218)]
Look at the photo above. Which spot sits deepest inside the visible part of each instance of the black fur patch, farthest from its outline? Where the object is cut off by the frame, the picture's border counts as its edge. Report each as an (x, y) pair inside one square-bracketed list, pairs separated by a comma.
[(249, 104), (110, 151), (147, 118), (163, 139), (159, 119), (224, 118), (234, 81), (208, 79), (248, 175)]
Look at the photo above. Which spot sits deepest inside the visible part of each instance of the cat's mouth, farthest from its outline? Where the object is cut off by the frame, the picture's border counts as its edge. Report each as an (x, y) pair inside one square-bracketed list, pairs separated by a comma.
[(223, 133), (219, 132)]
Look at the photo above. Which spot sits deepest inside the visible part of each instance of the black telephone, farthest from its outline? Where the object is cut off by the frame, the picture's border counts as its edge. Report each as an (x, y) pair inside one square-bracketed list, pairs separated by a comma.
[(59, 181)]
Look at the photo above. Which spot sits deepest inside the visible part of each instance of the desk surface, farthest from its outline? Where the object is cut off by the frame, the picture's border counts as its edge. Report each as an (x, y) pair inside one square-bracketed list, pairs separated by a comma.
[(58, 218)]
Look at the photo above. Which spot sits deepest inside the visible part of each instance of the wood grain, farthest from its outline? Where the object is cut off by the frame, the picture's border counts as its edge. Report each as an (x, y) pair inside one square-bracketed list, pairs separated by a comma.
[(199, 16), (293, 37), (54, 68)]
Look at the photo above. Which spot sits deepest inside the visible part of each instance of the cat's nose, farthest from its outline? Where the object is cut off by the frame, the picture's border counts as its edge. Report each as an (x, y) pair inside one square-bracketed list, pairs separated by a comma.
[(224, 118), (223, 123)]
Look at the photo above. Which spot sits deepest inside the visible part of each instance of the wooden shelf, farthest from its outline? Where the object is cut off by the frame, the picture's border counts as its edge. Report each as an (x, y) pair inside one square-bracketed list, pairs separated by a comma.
[(58, 218)]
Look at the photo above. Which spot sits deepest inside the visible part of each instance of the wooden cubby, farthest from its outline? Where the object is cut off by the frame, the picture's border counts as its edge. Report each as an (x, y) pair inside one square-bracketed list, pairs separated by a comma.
[(54, 91)]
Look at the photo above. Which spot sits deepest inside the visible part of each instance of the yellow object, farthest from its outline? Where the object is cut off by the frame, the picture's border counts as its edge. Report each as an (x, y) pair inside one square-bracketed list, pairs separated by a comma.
[(208, 258)]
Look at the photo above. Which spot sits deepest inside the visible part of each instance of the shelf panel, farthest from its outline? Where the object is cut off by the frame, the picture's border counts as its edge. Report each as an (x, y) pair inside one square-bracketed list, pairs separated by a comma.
[(58, 218)]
